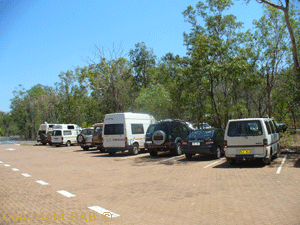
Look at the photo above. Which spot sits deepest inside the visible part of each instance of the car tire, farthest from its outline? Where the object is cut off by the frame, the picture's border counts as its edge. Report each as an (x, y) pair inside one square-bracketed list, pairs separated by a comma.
[(68, 144), (178, 149), (134, 150), (218, 153), (189, 156), (267, 161), (85, 148), (153, 153)]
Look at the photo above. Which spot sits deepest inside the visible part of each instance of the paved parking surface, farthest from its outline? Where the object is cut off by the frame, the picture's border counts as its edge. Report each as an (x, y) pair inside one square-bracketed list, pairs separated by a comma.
[(65, 185)]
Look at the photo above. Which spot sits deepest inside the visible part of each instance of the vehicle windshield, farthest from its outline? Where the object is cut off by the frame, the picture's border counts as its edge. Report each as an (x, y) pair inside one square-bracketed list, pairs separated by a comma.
[(244, 128), (87, 132), (113, 129), (201, 135), (56, 133)]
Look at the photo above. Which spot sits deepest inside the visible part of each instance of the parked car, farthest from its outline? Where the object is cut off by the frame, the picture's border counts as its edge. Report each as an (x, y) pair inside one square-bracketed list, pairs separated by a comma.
[(204, 126), (282, 127), (205, 141), (166, 135), (44, 130), (253, 138), (125, 131), (97, 136), (65, 134), (84, 139)]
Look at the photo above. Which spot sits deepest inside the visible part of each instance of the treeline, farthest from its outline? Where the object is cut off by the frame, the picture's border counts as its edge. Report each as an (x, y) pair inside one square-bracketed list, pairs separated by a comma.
[(226, 74)]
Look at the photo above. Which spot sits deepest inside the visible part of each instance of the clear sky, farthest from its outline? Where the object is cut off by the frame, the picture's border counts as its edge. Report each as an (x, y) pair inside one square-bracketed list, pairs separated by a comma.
[(41, 38)]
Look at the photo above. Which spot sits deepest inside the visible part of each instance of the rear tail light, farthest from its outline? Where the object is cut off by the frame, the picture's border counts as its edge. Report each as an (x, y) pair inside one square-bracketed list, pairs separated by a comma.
[(225, 143), (265, 142), (209, 142)]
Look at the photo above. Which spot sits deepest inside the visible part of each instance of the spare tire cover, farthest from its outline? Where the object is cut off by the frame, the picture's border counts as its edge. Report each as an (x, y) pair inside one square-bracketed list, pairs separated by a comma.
[(81, 138), (159, 137)]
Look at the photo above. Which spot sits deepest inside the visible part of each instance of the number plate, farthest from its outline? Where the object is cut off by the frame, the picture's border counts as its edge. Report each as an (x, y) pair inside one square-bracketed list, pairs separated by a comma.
[(196, 143), (245, 151)]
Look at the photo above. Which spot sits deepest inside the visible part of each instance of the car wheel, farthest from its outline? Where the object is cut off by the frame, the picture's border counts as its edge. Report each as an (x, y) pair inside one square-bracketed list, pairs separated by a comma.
[(218, 153), (153, 153), (189, 156), (85, 148), (231, 161), (135, 149), (68, 144), (267, 161), (178, 149)]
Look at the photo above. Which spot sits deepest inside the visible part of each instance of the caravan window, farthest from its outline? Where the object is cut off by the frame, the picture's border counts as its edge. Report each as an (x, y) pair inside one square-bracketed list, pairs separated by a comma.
[(71, 127), (113, 129), (67, 132), (137, 129)]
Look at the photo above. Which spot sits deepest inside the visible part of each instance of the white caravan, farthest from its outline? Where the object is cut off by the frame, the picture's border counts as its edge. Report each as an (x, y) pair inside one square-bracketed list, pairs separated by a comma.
[(44, 130), (251, 138), (125, 131), (65, 134)]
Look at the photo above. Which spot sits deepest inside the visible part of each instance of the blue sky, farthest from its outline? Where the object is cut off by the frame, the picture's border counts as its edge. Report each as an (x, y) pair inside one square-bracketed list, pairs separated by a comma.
[(41, 38)]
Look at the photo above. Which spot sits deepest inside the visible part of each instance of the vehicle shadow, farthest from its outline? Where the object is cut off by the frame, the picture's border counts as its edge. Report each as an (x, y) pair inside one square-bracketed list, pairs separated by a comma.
[(252, 164)]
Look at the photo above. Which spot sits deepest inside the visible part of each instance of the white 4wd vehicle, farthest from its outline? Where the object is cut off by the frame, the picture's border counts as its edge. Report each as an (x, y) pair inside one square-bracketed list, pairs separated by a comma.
[(253, 138)]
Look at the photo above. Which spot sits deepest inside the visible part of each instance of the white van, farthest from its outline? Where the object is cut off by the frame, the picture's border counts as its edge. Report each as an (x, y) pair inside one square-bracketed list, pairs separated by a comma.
[(251, 138), (65, 134), (44, 130), (125, 131)]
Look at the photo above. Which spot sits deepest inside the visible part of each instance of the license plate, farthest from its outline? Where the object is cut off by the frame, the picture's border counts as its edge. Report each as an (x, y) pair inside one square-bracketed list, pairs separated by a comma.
[(196, 143), (245, 152)]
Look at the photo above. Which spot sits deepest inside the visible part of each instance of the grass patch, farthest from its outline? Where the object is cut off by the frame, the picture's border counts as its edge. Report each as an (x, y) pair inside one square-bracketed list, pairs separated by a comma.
[(290, 141)]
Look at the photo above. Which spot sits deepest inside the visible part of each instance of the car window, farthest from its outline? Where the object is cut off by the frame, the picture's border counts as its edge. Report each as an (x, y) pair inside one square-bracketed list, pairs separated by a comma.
[(87, 131), (56, 133), (150, 129), (71, 127), (272, 127), (67, 132), (244, 128), (268, 127), (201, 134), (113, 129), (137, 128), (275, 126)]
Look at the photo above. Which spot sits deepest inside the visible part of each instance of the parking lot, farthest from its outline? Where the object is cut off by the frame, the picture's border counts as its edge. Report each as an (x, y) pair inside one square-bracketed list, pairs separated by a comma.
[(66, 185)]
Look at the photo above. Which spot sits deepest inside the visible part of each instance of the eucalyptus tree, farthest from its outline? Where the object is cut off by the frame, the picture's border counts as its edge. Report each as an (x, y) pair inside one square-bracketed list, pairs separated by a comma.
[(216, 58), (271, 36), (143, 62)]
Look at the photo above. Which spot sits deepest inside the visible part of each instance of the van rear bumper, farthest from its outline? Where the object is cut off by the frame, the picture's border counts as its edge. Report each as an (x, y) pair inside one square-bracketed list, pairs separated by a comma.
[(118, 149)]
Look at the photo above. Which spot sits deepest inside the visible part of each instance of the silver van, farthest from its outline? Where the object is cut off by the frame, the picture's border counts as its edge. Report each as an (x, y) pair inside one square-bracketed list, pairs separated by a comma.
[(251, 138)]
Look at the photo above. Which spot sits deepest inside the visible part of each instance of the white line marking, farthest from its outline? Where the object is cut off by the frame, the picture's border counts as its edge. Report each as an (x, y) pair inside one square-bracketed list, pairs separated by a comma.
[(15, 169), (129, 156), (1, 162), (26, 175), (42, 182), (168, 159), (282, 162), (100, 210), (6, 165), (10, 149), (65, 193), (213, 163)]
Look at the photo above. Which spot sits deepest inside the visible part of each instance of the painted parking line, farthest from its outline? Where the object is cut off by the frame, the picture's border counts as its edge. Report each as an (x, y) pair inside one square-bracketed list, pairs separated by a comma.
[(6, 165), (15, 169), (65, 193), (10, 149), (129, 156), (103, 211), (26, 175), (42, 182), (281, 165), (214, 163), (168, 159)]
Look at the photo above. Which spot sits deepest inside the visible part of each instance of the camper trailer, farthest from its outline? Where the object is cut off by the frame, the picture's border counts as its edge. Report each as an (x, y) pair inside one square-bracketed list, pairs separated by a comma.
[(65, 134)]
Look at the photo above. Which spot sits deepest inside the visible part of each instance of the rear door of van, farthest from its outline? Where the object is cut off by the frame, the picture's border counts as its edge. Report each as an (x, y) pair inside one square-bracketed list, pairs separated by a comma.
[(245, 138)]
